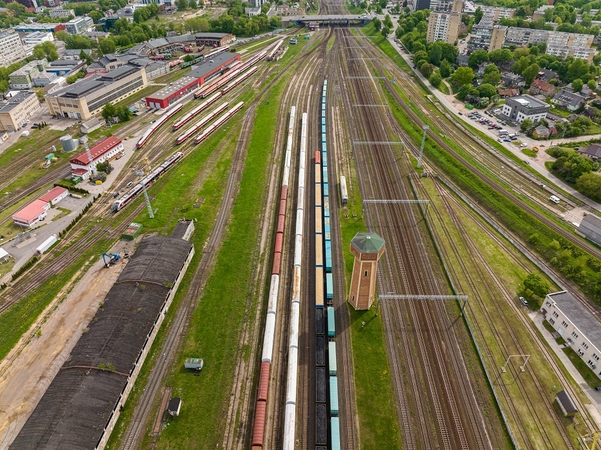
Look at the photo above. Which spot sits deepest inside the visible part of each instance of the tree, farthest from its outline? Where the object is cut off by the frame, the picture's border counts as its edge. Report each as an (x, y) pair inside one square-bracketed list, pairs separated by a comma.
[(487, 90), (377, 23), (445, 69), (520, 65), (85, 57), (107, 46), (427, 69), (478, 14), (477, 58), (61, 35), (536, 284), (38, 52), (577, 69), (592, 85), (385, 31), (104, 167), (95, 15), (492, 76), (589, 184), (577, 85), (50, 50), (463, 76), (526, 124), (124, 114), (422, 27), (435, 54), (435, 79), (388, 21), (182, 5), (108, 112), (530, 73)]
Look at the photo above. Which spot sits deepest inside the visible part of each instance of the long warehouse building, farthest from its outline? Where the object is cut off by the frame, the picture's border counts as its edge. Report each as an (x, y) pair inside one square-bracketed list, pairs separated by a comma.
[(198, 76), (84, 400), (87, 97)]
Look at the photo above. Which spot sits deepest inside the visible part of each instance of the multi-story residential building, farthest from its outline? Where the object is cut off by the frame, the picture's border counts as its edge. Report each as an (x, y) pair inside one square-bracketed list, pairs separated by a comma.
[(87, 97), (31, 27), (23, 77), (497, 14), (11, 48), (62, 13), (576, 325), (37, 37), (17, 109), (540, 12), (79, 25), (524, 107), (559, 44), (578, 53), (443, 24)]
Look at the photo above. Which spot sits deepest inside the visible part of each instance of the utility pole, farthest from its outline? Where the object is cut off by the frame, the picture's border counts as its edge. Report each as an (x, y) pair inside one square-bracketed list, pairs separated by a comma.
[(421, 149), (140, 173)]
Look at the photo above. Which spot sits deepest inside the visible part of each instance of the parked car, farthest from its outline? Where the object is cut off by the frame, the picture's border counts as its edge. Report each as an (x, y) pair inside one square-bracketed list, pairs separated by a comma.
[(524, 301)]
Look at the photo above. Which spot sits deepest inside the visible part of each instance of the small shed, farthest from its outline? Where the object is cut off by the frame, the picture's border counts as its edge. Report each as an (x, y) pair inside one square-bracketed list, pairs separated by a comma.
[(566, 404), (194, 364), (174, 407)]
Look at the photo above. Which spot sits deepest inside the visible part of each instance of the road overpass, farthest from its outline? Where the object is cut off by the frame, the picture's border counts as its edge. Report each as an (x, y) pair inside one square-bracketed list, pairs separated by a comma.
[(326, 20)]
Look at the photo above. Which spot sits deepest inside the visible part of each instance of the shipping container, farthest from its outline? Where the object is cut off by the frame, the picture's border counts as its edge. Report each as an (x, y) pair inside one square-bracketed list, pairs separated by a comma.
[(332, 358), (333, 396), (335, 432), (329, 286), (46, 245), (331, 322)]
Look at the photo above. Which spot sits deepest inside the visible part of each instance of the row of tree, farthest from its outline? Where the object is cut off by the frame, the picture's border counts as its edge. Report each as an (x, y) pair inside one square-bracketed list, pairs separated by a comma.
[(110, 112), (578, 170)]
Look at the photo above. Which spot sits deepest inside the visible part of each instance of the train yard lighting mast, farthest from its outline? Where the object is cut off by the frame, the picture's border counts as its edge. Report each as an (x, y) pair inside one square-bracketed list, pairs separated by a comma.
[(140, 173), (84, 141), (421, 149)]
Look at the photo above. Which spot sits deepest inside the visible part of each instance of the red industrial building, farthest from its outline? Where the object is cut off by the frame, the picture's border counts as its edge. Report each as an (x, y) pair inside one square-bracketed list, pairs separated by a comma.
[(201, 73)]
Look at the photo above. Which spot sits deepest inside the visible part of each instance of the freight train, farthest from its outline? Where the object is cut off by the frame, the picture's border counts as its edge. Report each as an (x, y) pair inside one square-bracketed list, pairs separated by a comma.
[(270, 321), (324, 295), (128, 197)]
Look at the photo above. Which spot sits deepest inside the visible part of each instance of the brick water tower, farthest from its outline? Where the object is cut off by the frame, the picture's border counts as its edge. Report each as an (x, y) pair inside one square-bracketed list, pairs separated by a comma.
[(367, 248)]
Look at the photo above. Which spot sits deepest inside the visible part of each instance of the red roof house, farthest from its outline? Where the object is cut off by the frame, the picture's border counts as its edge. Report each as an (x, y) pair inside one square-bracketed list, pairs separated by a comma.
[(31, 214), (105, 150), (55, 195)]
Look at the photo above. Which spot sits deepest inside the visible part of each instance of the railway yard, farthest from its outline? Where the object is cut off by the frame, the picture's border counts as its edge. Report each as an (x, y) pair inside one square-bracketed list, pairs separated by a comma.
[(445, 358)]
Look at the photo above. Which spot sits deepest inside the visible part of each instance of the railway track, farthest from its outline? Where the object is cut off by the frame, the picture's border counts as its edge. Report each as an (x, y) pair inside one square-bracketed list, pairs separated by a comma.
[(450, 403)]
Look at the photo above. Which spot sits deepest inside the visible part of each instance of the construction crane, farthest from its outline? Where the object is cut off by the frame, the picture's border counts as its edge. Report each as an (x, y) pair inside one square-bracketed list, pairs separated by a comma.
[(110, 259)]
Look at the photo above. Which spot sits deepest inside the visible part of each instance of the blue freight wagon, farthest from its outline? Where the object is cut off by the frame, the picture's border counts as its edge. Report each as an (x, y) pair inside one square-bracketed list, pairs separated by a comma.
[(329, 287), (326, 190), (328, 256), (326, 232), (331, 322), (325, 174), (335, 431), (333, 396), (324, 162), (332, 358)]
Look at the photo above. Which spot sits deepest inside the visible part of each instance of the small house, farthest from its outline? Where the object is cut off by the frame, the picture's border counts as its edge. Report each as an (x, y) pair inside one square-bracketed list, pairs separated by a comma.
[(175, 406), (542, 87), (541, 132), (566, 404)]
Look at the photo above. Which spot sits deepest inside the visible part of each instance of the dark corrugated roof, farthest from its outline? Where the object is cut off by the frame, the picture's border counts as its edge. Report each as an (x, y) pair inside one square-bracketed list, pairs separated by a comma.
[(76, 407)]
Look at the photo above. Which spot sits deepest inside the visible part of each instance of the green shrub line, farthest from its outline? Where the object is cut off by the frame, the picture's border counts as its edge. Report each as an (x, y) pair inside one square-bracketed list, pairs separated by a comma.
[(72, 188), (25, 267), (78, 218)]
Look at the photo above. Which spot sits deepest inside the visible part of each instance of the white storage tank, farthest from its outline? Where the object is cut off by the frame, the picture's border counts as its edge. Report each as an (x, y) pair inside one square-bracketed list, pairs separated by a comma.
[(46, 244), (68, 143)]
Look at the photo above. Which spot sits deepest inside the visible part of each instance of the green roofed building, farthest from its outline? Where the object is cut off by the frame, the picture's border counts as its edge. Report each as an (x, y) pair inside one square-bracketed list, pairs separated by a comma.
[(367, 248)]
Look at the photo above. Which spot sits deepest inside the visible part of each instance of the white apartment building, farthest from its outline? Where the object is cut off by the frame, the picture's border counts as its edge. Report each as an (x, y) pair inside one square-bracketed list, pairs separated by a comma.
[(443, 26), (79, 25), (576, 325), (62, 13), (38, 37), (11, 48)]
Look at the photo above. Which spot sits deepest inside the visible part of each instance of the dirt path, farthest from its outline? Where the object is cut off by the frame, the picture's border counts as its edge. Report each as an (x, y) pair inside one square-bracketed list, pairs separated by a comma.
[(31, 366)]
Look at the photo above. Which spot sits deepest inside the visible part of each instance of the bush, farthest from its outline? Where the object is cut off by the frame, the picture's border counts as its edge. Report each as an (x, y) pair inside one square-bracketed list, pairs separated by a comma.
[(34, 259)]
